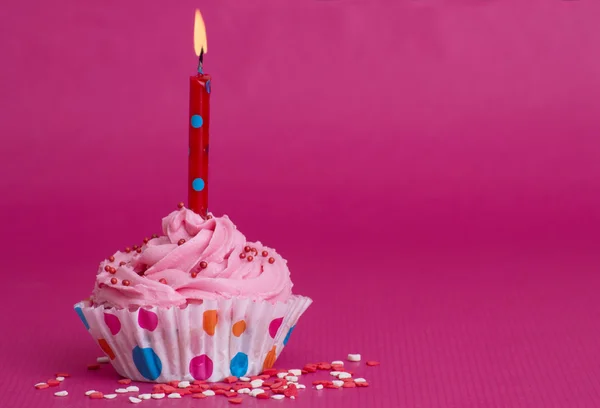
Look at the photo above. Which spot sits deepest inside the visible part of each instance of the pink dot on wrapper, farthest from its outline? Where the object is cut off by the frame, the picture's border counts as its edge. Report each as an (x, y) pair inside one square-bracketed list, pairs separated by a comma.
[(201, 367), (147, 320), (274, 326), (113, 323)]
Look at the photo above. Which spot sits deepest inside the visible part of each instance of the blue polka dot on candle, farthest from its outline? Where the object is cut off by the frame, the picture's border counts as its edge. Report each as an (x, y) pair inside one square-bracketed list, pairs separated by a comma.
[(198, 184), (239, 364), (147, 362), (208, 86), (197, 121), (287, 336), (82, 317)]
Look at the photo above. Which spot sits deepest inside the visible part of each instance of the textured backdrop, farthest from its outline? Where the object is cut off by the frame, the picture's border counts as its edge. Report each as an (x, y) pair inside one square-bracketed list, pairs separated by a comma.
[(429, 168)]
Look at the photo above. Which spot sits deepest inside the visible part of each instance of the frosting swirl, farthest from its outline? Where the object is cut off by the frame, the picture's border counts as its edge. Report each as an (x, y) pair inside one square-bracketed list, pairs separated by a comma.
[(195, 259)]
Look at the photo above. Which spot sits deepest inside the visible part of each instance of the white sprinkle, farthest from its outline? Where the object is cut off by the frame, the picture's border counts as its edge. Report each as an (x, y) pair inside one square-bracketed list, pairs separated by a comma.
[(296, 372), (145, 396), (335, 373), (337, 383), (292, 397), (244, 391), (300, 386), (38, 384), (292, 378), (135, 400), (343, 376), (90, 392), (257, 391), (338, 362), (60, 379), (103, 360), (256, 383), (61, 393), (319, 387), (160, 395), (120, 391), (359, 380), (285, 387), (245, 379), (183, 384), (174, 395), (132, 388), (110, 396), (278, 396), (353, 357), (209, 393), (282, 375)]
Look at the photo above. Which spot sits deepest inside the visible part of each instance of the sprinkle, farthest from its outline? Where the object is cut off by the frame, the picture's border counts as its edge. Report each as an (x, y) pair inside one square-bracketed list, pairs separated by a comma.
[(113, 281), (362, 384), (66, 375), (278, 396), (126, 282), (93, 366), (183, 384), (292, 397), (244, 391), (103, 360), (90, 392), (344, 376), (256, 391), (203, 265), (348, 384), (265, 253), (122, 263), (335, 373), (242, 255), (353, 357), (250, 258), (121, 391), (135, 247), (61, 379), (264, 395), (337, 383), (230, 380), (300, 386), (127, 250), (198, 396), (256, 383), (135, 400), (159, 395), (271, 260), (132, 388), (163, 281), (181, 241), (194, 274), (146, 240), (41, 386), (96, 395), (61, 393), (111, 258), (359, 380), (110, 396), (154, 235), (139, 250), (291, 378), (124, 381), (174, 395), (246, 248), (319, 387), (53, 383), (145, 396), (235, 400), (209, 393), (244, 379), (295, 372), (180, 205), (337, 362), (373, 363), (282, 375), (324, 366), (107, 268)]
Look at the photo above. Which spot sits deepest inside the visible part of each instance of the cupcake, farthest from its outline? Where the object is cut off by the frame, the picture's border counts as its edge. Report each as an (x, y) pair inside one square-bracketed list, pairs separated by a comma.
[(196, 303)]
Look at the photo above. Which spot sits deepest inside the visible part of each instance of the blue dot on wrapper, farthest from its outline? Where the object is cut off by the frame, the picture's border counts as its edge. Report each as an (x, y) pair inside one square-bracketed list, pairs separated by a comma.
[(198, 184), (147, 362), (82, 317), (208, 86), (287, 336), (239, 364), (197, 121)]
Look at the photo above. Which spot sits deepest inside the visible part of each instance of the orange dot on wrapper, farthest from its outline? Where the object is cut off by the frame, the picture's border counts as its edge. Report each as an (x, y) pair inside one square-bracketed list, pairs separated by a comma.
[(106, 348), (209, 322), (270, 358), (238, 328)]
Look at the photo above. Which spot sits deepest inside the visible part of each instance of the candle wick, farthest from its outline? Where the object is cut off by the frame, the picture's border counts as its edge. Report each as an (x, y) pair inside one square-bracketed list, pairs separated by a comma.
[(200, 61)]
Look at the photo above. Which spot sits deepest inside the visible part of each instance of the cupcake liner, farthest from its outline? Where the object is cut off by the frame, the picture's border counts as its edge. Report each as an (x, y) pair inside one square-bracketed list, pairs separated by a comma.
[(208, 341)]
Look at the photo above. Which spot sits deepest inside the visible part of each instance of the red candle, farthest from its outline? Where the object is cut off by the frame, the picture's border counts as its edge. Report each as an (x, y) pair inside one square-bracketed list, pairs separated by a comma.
[(198, 125)]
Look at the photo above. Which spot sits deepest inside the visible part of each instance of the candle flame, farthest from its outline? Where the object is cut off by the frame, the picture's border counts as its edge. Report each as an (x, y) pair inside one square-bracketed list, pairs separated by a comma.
[(200, 43)]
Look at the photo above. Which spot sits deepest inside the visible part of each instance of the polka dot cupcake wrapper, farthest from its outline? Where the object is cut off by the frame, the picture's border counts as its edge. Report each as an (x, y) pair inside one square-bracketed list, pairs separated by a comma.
[(209, 341)]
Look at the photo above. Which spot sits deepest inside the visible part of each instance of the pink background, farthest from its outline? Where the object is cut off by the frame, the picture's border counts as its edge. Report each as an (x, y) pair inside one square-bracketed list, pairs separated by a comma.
[(429, 168)]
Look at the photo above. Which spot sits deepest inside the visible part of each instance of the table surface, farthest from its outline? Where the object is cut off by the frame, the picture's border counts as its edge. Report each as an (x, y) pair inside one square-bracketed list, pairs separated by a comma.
[(455, 330)]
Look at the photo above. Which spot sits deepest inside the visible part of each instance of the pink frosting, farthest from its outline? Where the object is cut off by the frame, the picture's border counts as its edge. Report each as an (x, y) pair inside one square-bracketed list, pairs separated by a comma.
[(166, 273)]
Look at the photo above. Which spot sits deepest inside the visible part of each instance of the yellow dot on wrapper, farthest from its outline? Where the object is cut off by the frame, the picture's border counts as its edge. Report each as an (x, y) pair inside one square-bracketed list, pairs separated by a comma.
[(238, 328), (209, 322)]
